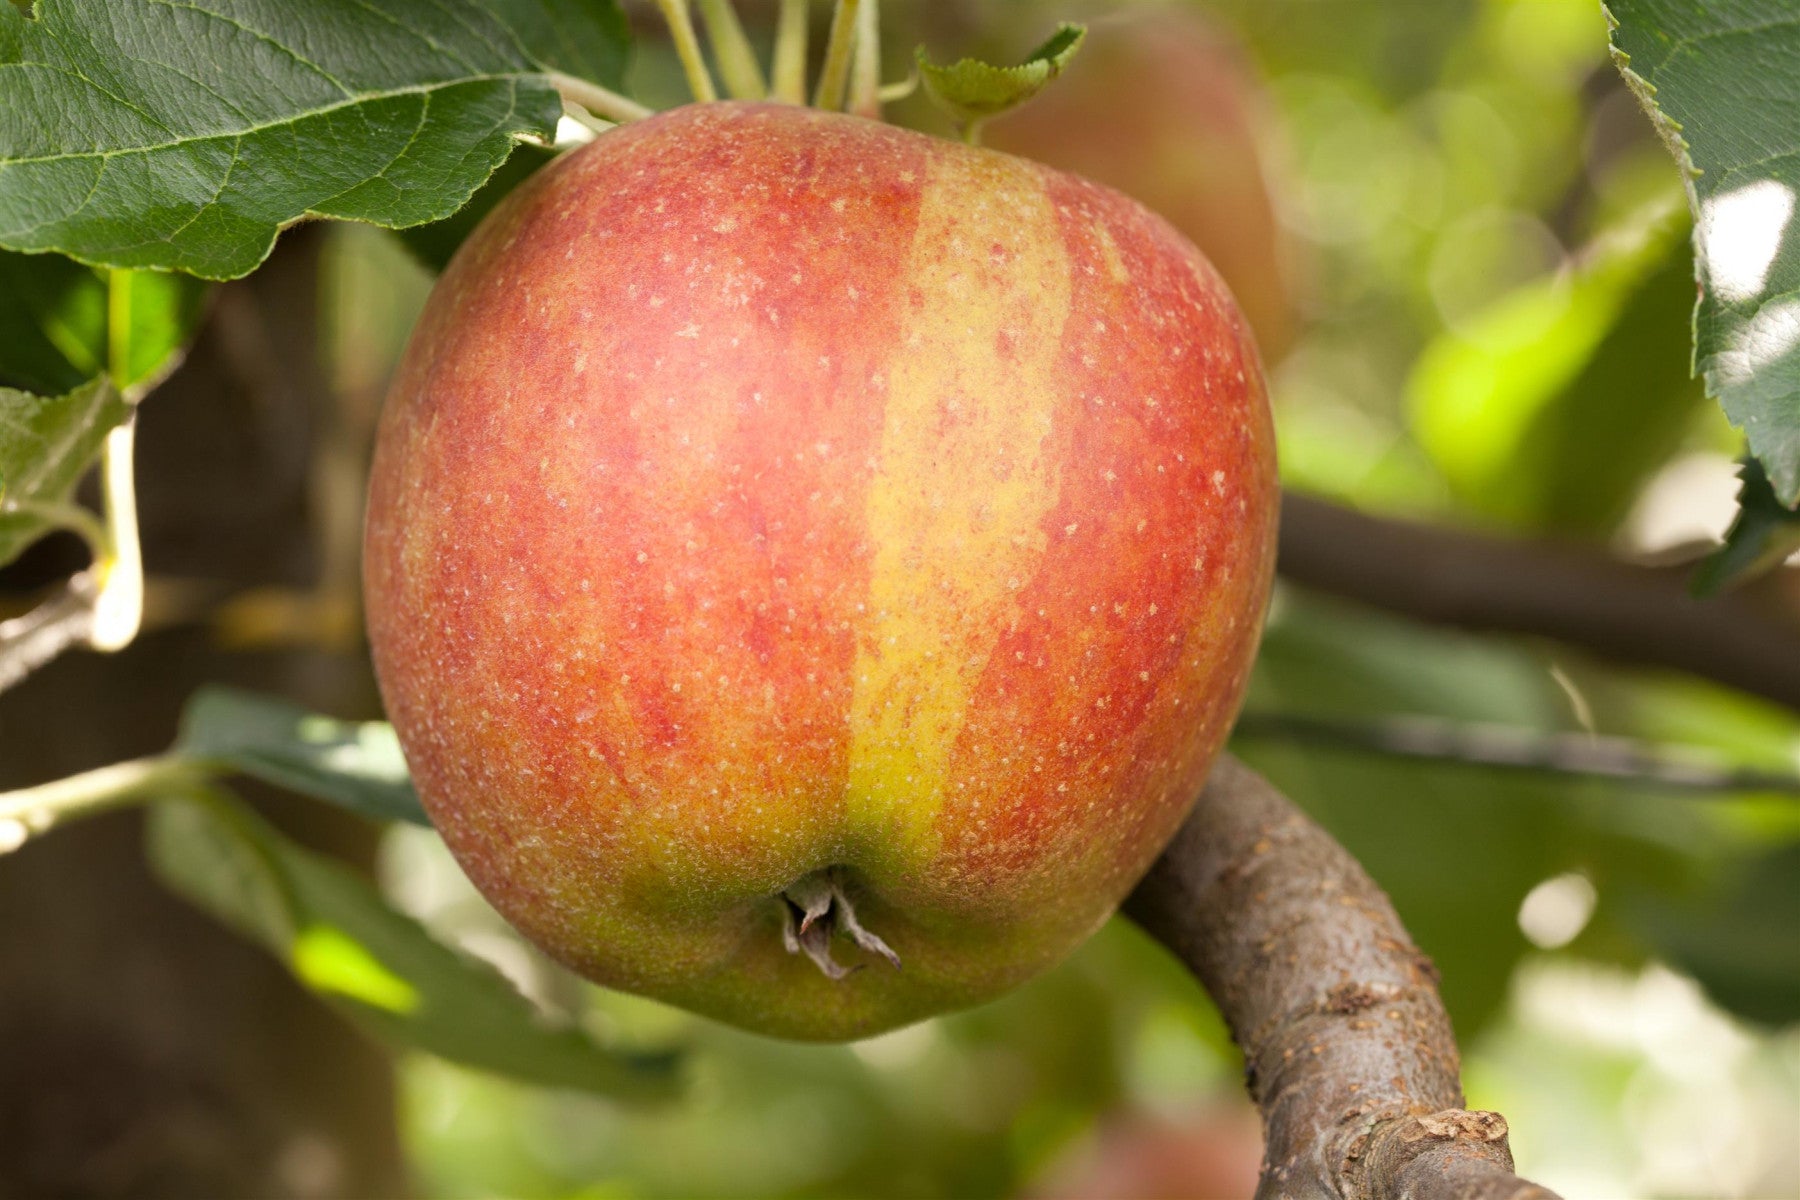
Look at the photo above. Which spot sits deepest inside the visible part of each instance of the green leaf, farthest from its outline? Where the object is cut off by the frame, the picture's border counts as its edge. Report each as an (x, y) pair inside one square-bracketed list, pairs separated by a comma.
[(66, 323), (53, 314), (1740, 944), (46, 444), (1722, 82), (584, 38), (141, 134), (1549, 410), (1761, 536), (433, 244), (151, 317), (377, 966), (354, 764), (972, 91)]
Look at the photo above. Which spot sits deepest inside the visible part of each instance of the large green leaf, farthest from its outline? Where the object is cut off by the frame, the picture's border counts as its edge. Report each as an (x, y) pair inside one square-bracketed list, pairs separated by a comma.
[(433, 244), (1550, 409), (141, 134), (46, 443), (1722, 80), (584, 38), (378, 966), (354, 764)]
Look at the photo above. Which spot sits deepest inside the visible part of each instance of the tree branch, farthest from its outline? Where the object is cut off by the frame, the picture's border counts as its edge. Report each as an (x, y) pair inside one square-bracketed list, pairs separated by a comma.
[(1640, 615), (1499, 747), (1348, 1051), (65, 619)]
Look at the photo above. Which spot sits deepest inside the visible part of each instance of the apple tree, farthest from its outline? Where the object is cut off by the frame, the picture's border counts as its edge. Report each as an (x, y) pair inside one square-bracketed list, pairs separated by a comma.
[(1508, 280)]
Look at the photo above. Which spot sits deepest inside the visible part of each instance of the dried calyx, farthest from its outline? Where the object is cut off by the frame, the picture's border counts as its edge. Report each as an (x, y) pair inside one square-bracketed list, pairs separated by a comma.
[(813, 910)]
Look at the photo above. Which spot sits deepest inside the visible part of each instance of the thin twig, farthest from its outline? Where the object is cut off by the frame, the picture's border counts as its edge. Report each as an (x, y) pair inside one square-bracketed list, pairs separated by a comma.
[(601, 102), (737, 61), (1347, 1049), (1497, 746), (834, 76), (30, 811), (1637, 615), (865, 77), (790, 53), (66, 619), (687, 48)]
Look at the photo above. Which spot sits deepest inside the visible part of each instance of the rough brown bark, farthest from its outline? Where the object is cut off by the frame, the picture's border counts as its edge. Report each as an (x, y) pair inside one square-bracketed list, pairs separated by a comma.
[(1642, 615), (1348, 1051)]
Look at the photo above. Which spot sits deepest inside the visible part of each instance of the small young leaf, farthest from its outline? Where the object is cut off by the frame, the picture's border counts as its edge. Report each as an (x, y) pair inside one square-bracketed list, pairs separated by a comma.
[(140, 134), (378, 967), (1761, 536), (354, 764), (1722, 83), (46, 443), (972, 91)]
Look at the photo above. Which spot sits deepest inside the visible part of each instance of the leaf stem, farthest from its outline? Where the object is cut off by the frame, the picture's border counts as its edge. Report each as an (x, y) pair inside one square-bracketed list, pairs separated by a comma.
[(836, 72), (687, 47), (119, 606), (30, 811), (71, 517), (737, 61), (865, 77), (601, 102), (790, 53)]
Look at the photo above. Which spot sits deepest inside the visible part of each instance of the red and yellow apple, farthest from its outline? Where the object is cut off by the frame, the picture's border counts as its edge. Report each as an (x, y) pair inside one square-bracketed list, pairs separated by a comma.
[(789, 532), (1164, 105)]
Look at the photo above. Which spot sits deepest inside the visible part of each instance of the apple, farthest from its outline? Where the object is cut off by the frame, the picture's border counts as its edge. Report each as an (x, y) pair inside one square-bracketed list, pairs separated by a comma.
[(1165, 106), (811, 565)]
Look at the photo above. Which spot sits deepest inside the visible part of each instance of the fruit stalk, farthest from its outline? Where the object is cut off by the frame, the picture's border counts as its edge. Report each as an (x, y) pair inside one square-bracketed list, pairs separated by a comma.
[(790, 53), (737, 61), (687, 47), (865, 78), (834, 76)]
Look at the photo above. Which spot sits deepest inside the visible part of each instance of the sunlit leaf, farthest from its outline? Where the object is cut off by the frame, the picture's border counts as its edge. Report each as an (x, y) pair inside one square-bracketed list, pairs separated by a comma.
[(1549, 410), (354, 764), (1722, 82), (377, 966)]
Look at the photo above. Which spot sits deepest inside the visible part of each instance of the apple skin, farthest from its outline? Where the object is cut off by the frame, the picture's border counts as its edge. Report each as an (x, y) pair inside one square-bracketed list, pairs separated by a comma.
[(1163, 105), (767, 490)]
